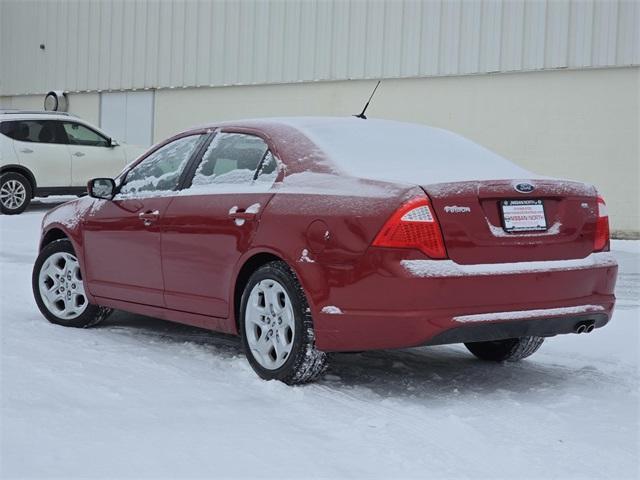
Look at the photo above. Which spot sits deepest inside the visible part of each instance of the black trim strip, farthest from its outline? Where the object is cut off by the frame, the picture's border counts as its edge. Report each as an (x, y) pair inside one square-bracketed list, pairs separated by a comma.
[(46, 191), (261, 163), (486, 332), (190, 170)]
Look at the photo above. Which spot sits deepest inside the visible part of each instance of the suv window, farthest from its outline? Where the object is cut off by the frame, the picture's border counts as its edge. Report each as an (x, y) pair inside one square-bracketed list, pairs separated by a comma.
[(81, 135), (234, 158), (37, 131), (161, 170)]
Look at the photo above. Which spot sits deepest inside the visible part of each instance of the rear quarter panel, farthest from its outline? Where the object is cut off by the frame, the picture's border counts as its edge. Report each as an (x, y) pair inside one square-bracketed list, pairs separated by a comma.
[(321, 225)]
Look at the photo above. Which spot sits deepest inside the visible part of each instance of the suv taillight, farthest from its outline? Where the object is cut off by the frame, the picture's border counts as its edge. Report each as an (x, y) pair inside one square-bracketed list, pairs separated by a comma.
[(602, 227), (413, 225)]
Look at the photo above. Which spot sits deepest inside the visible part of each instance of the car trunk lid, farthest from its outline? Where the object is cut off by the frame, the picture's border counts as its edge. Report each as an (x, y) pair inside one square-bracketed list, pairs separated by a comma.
[(473, 227)]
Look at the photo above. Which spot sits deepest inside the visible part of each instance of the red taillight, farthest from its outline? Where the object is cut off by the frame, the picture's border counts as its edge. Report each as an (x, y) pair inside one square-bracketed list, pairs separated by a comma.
[(602, 226), (413, 226)]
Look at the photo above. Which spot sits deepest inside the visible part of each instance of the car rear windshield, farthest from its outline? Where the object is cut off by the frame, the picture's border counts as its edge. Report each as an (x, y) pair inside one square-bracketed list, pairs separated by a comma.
[(404, 152)]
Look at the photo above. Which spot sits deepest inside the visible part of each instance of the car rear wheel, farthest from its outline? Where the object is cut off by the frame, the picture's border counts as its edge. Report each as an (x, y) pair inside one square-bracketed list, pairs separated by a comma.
[(510, 350), (15, 193), (277, 328), (59, 290)]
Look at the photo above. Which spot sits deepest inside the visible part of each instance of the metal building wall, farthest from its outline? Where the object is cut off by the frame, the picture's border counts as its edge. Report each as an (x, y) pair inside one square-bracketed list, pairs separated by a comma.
[(112, 45)]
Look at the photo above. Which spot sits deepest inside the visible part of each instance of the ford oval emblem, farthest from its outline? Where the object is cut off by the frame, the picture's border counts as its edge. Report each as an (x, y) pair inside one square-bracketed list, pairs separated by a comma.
[(524, 187)]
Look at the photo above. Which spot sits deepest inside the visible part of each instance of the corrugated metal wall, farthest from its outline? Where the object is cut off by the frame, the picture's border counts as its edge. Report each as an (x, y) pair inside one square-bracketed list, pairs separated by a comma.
[(113, 45)]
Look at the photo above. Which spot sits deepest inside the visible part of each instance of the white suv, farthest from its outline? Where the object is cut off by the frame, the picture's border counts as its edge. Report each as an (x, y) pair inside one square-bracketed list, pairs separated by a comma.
[(52, 153)]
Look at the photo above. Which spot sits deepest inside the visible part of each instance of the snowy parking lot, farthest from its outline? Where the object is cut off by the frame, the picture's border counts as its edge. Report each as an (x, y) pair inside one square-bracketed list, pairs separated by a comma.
[(139, 397)]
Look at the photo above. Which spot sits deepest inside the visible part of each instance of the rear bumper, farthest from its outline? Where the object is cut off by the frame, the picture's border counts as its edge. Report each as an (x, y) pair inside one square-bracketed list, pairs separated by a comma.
[(392, 306)]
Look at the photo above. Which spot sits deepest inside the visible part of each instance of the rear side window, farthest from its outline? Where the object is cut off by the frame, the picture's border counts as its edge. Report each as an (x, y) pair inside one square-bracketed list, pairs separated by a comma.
[(35, 131), (160, 171), (235, 159), (80, 135)]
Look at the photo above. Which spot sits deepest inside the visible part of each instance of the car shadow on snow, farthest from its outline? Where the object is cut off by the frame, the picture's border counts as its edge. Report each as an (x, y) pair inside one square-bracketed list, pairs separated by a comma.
[(450, 371), (441, 372)]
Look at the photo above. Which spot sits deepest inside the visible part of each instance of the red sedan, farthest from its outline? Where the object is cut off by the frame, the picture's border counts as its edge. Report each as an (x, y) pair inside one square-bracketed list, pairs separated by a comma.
[(312, 235)]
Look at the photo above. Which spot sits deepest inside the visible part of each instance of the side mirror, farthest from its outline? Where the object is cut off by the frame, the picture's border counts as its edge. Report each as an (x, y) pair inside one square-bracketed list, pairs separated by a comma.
[(104, 188), (113, 143)]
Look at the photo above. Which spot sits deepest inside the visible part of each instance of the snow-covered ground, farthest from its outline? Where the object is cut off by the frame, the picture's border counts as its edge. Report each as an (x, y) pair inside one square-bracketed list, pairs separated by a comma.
[(139, 397)]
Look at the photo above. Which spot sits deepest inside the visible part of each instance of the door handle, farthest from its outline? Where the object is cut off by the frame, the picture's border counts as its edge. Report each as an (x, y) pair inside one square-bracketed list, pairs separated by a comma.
[(26, 150), (149, 217), (78, 154), (242, 215)]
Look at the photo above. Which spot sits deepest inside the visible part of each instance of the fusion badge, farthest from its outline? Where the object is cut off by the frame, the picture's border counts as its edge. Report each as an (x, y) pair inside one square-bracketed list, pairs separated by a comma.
[(456, 209)]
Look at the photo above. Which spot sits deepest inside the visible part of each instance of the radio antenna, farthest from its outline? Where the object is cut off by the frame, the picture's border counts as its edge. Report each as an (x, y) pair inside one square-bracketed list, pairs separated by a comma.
[(361, 114)]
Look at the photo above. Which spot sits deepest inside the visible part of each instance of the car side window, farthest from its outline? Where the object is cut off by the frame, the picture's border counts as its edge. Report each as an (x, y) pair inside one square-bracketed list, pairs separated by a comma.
[(160, 171), (35, 131), (235, 159), (78, 134)]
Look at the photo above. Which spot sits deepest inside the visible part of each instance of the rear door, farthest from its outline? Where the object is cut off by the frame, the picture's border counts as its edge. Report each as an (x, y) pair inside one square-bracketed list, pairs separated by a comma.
[(213, 220), (91, 154), (39, 146), (122, 237)]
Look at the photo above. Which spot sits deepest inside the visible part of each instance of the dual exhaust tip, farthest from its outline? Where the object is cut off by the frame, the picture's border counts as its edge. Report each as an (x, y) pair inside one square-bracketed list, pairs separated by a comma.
[(586, 326)]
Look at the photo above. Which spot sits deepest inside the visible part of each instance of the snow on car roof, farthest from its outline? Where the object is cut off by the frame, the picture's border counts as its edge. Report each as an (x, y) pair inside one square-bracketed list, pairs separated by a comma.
[(403, 152)]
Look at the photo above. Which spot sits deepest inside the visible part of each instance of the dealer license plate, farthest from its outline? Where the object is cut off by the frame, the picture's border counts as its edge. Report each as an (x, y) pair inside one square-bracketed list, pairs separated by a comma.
[(523, 215)]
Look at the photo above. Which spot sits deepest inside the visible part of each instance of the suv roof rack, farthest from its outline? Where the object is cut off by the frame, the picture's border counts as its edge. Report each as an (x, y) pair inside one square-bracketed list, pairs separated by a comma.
[(34, 112)]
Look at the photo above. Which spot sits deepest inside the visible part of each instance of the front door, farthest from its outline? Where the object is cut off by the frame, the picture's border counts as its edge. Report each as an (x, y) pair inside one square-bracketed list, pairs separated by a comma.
[(213, 221), (122, 236)]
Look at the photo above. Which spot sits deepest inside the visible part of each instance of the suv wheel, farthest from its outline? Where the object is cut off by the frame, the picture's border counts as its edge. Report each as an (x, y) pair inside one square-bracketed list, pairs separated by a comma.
[(15, 193), (58, 288), (277, 328)]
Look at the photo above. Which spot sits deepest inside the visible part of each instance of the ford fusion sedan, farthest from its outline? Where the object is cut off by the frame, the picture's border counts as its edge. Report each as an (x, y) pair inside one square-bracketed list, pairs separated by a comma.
[(313, 235)]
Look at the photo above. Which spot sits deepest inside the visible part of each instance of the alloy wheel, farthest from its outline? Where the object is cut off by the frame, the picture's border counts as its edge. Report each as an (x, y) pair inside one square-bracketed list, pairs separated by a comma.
[(13, 194), (61, 286), (269, 324)]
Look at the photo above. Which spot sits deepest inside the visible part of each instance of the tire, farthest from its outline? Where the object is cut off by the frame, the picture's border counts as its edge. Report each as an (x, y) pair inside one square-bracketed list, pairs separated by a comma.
[(277, 334), (510, 350), (15, 193), (58, 271)]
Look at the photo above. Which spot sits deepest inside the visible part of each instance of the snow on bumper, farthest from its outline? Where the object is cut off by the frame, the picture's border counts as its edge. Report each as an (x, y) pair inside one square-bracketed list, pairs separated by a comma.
[(524, 314), (448, 268)]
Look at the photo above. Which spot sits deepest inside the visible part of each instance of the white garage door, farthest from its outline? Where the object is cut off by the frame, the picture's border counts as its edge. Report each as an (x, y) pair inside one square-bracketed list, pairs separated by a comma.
[(128, 116)]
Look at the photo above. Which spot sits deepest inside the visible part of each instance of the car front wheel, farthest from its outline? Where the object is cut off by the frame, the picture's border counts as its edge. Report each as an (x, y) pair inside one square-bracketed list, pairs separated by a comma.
[(277, 328), (58, 288), (15, 193)]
